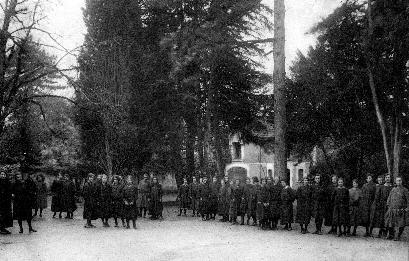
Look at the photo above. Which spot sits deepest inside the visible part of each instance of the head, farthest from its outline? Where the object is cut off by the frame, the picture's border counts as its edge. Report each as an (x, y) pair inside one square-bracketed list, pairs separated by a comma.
[(369, 178), (263, 182), (276, 180), (269, 180), (380, 179), (340, 182), (334, 179), (255, 180), (194, 179), (19, 176), (129, 179), (226, 178), (222, 182), (204, 179), (214, 179), (305, 181), (231, 182), (67, 177), (355, 183), (184, 181), (145, 176), (60, 176), (104, 178), (248, 181), (284, 183), (115, 180), (3, 175), (155, 180), (388, 178), (317, 179), (398, 181), (237, 182), (91, 177), (99, 177)]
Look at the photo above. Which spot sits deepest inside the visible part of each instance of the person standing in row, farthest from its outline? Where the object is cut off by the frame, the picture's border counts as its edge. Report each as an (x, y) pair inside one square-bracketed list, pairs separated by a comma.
[(263, 198), (368, 196), (194, 196), (41, 195), (355, 195), (235, 200), (155, 199), (304, 196), (57, 196), (117, 201), (68, 196), (105, 200), (379, 207), (275, 203), (245, 198), (204, 203), (130, 196), (214, 191), (183, 197), (6, 217), (397, 215), (329, 209), (143, 195), (340, 217), (90, 195), (287, 199), (252, 202), (319, 199), (24, 197), (223, 202)]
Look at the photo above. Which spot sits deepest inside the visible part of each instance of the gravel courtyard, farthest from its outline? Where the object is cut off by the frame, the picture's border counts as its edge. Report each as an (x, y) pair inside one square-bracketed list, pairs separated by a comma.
[(186, 238)]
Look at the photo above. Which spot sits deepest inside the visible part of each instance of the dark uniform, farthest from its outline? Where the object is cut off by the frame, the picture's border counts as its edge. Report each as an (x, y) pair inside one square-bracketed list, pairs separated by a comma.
[(68, 197), (6, 217), (244, 204), (287, 199), (368, 197), (275, 204), (57, 197), (41, 195), (90, 195), (117, 205), (263, 199), (143, 195), (252, 204), (204, 203), (194, 196), (155, 201), (24, 200), (304, 207), (213, 203), (223, 203), (105, 202), (319, 199), (183, 196), (235, 200), (130, 196), (329, 207), (341, 208), (355, 195), (379, 207)]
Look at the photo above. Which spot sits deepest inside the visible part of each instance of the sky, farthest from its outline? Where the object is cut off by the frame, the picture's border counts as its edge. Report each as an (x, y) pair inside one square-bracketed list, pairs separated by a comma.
[(64, 20)]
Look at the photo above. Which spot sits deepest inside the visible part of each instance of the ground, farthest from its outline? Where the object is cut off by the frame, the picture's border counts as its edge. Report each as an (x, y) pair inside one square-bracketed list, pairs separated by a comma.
[(185, 238)]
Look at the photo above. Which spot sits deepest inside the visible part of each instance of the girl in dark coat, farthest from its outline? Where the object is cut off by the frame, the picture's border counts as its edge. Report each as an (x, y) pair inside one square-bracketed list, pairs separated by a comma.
[(6, 217), (340, 217), (223, 207), (194, 196), (24, 196), (183, 197), (252, 202), (155, 199), (287, 199), (329, 206), (130, 196), (379, 208), (41, 195), (214, 191), (69, 197), (90, 195), (368, 197), (117, 201), (319, 197), (355, 195), (105, 201), (244, 204), (304, 200), (235, 200), (263, 199), (57, 198), (275, 203)]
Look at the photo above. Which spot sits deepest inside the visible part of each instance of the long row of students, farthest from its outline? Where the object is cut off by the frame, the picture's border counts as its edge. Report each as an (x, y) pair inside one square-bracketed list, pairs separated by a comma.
[(382, 205)]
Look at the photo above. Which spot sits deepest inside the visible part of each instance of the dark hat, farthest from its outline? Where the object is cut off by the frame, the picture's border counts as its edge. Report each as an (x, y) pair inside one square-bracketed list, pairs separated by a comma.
[(255, 179)]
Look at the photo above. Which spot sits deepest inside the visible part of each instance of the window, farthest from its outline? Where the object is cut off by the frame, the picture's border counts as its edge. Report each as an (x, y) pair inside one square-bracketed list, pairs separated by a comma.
[(236, 150), (300, 175), (270, 173)]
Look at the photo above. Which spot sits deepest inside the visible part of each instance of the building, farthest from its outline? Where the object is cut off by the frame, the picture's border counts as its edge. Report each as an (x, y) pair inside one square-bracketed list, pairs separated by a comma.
[(251, 160)]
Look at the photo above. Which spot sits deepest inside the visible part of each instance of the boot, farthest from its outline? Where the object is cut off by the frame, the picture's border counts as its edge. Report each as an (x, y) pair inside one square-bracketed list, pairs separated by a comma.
[(184, 212), (248, 221), (242, 220), (194, 214), (127, 224), (180, 212), (54, 214), (123, 223), (116, 222), (134, 224)]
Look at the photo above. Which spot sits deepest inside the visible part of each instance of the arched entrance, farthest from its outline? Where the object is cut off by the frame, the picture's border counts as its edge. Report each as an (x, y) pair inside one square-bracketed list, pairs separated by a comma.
[(237, 173)]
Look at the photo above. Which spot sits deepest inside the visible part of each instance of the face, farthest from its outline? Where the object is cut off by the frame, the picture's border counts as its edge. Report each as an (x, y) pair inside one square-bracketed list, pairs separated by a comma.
[(226, 179), (222, 182), (155, 180), (19, 176), (276, 180), (184, 181), (104, 178), (248, 181), (66, 177), (145, 177), (340, 182), (268, 180), (334, 179), (283, 183), (380, 180), (237, 182), (60, 176), (369, 178), (99, 177), (194, 180), (317, 179), (90, 178), (263, 182), (129, 179), (115, 181), (398, 181), (388, 178), (214, 180), (305, 181), (231, 182), (355, 184), (2, 175)]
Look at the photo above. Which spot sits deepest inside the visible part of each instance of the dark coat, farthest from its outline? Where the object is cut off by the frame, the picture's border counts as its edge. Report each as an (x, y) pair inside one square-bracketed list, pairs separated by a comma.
[(263, 199), (57, 199), (319, 199), (105, 200), (183, 196), (304, 204), (341, 207), (244, 204), (213, 200), (24, 198), (90, 194), (398, 205), (379, 208), (329, 205), (155, 200), (235, 199), (287, 199), (194, 195), (144, 188), (117, 203), (275, 201), (368, 197), (6, 216), (223, 202), (130, 196), (204, 198), (41, 195), (252, 201), (355, 196), (68, 196)]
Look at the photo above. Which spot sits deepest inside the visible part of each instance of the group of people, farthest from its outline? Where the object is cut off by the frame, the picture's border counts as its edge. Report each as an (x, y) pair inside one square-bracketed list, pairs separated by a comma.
[(121, 199), (380, 205)]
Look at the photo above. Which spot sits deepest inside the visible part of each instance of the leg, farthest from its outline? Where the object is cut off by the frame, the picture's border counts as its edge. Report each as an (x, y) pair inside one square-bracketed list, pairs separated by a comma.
[(134, 223), (30, 228), (127, 223), (60, 215), (340, 230), (41, 212), (20, 224), (116, 221), (180, 212)]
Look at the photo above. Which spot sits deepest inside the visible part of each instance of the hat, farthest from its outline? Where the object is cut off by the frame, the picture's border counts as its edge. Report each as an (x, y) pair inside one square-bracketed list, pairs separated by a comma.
[(255, 179)]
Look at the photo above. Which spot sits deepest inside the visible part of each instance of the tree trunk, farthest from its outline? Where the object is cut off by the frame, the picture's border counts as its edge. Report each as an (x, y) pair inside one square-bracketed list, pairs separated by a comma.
[(280, 157), (190, 147), (397, 147), (108, 155)]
